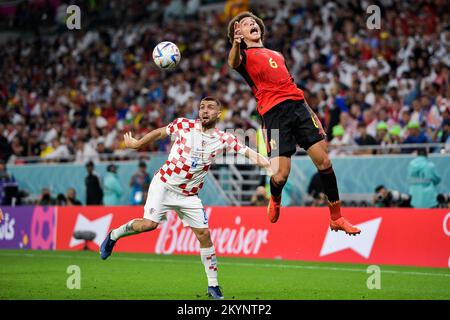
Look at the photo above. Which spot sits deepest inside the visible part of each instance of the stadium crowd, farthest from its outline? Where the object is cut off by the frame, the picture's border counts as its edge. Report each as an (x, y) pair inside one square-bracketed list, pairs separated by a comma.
[(73, 94)]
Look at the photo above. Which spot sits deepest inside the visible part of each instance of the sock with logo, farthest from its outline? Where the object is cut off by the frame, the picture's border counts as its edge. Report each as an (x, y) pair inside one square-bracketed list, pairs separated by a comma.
[(209, 260), (330, 187), (123, 231)]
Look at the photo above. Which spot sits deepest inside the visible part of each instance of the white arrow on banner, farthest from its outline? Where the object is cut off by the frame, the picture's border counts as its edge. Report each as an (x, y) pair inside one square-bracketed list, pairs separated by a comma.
[(100, 226), (362, 243)]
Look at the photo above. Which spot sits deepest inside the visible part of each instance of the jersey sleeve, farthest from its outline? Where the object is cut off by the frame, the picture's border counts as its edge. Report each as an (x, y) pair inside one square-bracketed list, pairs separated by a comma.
[(241, 66), (178, 125), (232, 144)]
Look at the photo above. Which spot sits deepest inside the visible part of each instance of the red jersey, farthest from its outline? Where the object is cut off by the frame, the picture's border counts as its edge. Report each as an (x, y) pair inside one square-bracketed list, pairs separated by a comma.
[(266, 73)]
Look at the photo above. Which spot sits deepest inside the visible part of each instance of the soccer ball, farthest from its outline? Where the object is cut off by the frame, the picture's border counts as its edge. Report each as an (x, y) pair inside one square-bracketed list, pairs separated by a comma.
[(166, 55)]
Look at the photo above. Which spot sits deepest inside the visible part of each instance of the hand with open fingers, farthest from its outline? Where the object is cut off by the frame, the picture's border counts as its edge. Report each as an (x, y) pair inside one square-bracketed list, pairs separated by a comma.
[(130, 142), (237, 32)]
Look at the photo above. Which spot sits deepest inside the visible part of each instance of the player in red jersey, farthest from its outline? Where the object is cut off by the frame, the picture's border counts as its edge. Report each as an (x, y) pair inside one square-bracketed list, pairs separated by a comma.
[(176, 184), (286, 117)]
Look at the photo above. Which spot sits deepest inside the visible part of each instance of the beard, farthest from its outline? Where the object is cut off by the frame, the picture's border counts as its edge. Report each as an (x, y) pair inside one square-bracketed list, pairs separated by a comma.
[(210, 123)]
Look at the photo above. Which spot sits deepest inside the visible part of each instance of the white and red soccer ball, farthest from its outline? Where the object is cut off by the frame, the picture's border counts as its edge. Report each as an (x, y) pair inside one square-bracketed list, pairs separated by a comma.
[(166, 55)]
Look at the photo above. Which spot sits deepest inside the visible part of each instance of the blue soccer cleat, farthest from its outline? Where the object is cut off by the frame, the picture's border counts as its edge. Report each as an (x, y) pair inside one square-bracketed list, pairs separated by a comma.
[(107, 247), (215, 293)]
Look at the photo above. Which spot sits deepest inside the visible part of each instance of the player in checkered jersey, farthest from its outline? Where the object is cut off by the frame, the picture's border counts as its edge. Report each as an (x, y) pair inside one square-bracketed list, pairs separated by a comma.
[(176, 185)]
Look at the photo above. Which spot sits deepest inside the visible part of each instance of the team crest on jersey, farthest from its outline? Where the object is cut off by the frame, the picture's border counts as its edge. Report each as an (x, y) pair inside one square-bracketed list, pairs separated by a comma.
[(195, 160)]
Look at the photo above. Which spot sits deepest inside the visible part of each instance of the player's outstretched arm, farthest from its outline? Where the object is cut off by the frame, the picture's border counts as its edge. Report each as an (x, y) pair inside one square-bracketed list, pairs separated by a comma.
[(259, 160), (234, 57), (149, 138)]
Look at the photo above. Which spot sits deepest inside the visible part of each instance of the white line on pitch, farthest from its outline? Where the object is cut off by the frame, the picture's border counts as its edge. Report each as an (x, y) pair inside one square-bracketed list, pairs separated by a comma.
[(240, 264)]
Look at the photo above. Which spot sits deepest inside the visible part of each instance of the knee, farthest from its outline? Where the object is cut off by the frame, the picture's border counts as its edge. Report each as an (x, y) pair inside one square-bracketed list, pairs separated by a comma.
[(204, 237), (280, 178), (323, 163), (148, 225)]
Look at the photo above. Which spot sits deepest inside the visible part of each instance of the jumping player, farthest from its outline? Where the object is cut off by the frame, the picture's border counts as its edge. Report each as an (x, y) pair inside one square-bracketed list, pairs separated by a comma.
[(286, 117), (176, 184)]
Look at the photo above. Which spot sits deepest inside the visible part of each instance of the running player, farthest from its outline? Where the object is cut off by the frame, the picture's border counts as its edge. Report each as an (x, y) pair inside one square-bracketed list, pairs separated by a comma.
[(176, 184), (286, 117)]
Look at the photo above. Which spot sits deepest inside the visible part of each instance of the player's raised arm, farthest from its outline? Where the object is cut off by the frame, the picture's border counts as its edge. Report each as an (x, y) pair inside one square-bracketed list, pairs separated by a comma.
[(152, 136), (259, 160), (234, 57)]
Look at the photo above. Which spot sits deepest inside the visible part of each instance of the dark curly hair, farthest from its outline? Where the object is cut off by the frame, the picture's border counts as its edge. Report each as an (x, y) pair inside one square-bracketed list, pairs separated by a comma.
[(238, 18)]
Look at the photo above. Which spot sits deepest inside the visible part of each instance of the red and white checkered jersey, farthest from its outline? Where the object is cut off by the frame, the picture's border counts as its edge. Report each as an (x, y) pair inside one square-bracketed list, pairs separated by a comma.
[(192, 154)]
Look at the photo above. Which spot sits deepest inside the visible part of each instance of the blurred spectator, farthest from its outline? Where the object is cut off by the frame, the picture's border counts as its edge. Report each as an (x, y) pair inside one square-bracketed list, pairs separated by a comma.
[(364, 139), (112, 188), (61, 200), (71, 198), (45, 198), (415, 135), (85, 153), (382, 137), (139, 184), (259, 198), (341, 138), (101, 149), (423, 179), (445, 134), (5, 148), (9, 188), (59, 151), (395, 138), (94, 192)]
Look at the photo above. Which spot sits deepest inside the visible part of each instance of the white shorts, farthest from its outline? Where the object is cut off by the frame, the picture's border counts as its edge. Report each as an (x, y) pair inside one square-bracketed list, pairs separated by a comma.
[(160, 200)]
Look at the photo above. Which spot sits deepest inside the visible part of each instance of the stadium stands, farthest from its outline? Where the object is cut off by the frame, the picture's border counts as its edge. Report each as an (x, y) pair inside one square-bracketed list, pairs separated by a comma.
[(70, 95)]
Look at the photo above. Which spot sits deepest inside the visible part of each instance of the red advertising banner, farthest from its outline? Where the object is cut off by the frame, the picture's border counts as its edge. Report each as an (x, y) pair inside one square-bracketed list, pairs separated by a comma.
[(397, 236)]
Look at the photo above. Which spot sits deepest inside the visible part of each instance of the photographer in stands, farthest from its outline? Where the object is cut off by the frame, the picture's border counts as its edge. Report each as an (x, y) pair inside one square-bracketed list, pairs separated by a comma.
[(390, 198)]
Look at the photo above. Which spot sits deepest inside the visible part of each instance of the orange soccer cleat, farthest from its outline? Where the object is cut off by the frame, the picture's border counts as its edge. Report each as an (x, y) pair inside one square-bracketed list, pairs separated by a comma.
[(273, 209), (344, 225)]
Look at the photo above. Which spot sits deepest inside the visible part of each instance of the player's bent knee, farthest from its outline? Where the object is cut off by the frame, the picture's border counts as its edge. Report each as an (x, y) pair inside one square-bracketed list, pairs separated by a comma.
[(148, 225), (203, 236), (280, 178), (325, 163)]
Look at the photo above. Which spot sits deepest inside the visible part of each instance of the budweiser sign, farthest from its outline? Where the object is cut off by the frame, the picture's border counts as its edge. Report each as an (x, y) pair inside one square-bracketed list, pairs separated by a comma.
[(396, 236), (236, 239)]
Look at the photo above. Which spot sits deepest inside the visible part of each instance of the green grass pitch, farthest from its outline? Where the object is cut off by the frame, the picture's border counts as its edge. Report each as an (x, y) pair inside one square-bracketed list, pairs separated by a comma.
[(43, 275)]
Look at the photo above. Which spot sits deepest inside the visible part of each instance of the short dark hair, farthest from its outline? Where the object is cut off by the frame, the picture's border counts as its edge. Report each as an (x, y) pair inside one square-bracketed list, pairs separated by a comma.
[(111, 167), (422, 152), (238, 18), (209, 98), (142, 164)]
